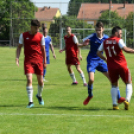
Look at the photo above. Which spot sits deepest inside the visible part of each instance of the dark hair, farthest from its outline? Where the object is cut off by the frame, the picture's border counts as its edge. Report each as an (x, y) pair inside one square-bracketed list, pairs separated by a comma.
[(43, 28), (99, 24), (68, 26), (35, 22), (115, 29)]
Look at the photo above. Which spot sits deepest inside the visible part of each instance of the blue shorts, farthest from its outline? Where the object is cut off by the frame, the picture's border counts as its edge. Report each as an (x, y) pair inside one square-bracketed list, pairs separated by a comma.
[(48, 60), (99, 65)]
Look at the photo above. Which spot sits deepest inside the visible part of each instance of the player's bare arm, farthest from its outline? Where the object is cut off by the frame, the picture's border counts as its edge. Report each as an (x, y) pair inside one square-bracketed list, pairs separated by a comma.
[(53, 52), (18, 54), (99, 53), (128, 50), (44, 55), (61, 50), (79, 51)]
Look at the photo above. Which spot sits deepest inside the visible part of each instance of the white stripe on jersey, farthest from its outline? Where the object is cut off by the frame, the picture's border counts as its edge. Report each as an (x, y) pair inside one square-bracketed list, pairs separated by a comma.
[(21, 41), (121, 44), (75, 40), (91, 35)]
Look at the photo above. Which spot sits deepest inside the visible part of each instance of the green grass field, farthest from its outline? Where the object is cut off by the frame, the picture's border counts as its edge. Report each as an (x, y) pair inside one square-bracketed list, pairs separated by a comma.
[(63, 112)]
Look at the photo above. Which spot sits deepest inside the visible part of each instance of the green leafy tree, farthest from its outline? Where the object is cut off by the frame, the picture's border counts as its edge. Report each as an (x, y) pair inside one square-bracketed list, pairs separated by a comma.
[(74, 6), (65, 21), (111, 18), (15, 16), (130, 27)]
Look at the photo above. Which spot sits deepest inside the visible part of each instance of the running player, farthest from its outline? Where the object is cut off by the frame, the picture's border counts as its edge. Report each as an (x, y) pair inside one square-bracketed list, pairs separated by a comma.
[(34, 51), (94, 62), (72, 49), (117, 65), (48, 44)]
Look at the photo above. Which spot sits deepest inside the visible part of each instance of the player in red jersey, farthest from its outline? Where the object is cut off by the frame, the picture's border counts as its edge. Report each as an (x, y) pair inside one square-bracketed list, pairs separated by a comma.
[(34, 51), (72, 50), (117, 65)]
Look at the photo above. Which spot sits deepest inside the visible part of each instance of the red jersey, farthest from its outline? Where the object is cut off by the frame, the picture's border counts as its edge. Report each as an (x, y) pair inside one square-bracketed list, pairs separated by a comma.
[(115, 57), (32, 47), (71, 48)]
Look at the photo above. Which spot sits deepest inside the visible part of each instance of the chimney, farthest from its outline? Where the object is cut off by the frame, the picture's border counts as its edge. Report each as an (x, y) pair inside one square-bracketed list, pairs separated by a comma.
[(99, 2), (124, 4), (110, 4)]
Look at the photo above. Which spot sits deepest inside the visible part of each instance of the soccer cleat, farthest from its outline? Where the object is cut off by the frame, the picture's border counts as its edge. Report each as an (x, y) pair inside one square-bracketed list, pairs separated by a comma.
[(30, 105), (126, 105), (122, 99), (40, 100), (86, 101), (75, 83), (115, 107), (85, 84)]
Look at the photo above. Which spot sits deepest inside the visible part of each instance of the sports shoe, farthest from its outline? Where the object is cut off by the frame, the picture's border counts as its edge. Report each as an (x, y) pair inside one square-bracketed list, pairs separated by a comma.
[(40, 100), (115, 107), (85, 84), (126, 105), (45, 80), (87, 100), (30, 105), (122, 99), (75, 83)]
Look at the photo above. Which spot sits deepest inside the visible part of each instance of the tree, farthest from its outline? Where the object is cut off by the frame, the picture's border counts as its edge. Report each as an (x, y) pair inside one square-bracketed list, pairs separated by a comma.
[(130, 27), (63, 22), (15, 16), (111, 18), (74, 6)]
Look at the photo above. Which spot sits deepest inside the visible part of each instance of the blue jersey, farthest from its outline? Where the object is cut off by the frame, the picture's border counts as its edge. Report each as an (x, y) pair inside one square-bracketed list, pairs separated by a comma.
[(95, 42), (47, 44)]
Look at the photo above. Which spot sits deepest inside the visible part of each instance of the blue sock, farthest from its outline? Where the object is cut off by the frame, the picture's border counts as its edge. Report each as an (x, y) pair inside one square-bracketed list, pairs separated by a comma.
[(44, 72), (118, 94), (90, 89)]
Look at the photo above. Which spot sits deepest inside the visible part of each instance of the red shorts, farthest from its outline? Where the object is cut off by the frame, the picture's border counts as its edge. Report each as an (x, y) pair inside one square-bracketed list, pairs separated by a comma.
[(72, 61), (30, 67), (123, 72)]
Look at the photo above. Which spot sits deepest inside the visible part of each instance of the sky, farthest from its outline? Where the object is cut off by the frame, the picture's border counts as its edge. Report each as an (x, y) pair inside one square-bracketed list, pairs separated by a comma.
[(61, 4)]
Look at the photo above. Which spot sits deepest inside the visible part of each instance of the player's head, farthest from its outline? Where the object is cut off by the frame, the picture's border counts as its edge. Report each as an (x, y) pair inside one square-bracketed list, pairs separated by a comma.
[(117, 31), (99, 28), (45, 30), (68, 30), (35, 24)]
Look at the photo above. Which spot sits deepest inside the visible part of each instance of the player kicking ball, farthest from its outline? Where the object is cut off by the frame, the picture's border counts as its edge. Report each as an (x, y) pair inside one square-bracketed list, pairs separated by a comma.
[(34, 51), (117, 65), (72, 49)]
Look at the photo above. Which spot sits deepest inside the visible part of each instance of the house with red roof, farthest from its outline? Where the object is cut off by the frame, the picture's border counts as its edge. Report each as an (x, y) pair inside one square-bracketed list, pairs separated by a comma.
[(46, 14), (90, 12)]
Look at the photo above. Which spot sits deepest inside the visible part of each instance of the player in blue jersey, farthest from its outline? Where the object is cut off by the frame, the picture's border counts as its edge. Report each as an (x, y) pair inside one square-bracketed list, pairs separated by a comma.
[(48, 45), (94, 62)]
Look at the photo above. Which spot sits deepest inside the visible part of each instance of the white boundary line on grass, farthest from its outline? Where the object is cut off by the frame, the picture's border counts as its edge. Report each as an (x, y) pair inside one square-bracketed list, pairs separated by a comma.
[(74, 115)]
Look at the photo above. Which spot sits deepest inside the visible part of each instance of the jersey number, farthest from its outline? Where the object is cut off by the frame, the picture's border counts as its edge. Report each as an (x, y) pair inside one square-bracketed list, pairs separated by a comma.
[(109, 51)]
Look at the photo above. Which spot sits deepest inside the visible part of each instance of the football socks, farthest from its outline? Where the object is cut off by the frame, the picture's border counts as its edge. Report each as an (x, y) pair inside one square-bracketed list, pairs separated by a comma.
[(30, 93)]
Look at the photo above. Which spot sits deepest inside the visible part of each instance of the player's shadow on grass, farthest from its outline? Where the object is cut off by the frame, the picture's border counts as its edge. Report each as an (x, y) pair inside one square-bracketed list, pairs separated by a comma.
[(75, 108), (13, 80), (12, 105)]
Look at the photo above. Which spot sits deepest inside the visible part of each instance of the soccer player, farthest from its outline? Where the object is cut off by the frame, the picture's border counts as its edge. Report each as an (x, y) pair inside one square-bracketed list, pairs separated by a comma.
[(117, 65), (34, 51), (72, 49), (48, 44), (94, 62)]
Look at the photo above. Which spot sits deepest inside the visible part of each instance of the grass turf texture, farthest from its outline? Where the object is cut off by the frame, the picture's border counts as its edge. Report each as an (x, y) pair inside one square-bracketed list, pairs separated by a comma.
[(63, 111)]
